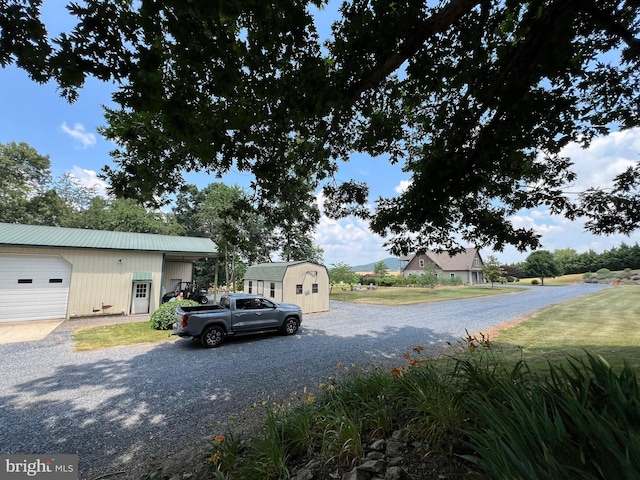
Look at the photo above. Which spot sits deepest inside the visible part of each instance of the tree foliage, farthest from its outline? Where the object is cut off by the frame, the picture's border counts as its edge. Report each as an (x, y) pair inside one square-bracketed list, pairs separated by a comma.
[(380, 268), (492, 271), (475, 99), (25, 175), (430, 277), (542, 264), (342, 273)]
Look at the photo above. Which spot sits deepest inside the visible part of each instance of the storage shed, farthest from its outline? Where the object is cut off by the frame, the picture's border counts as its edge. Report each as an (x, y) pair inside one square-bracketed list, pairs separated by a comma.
[(302, 283), (57, 273)]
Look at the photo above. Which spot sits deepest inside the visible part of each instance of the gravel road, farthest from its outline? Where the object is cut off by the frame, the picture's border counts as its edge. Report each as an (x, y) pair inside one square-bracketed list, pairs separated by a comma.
[(124, 410)]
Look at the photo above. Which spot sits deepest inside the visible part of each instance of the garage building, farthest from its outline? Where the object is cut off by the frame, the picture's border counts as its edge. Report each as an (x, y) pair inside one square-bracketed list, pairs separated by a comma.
[(57, 273), (302, 283)]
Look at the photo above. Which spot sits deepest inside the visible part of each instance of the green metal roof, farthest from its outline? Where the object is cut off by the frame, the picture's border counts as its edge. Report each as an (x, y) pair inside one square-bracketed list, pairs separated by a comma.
[(273, 272), (141, 277), (16, 235)]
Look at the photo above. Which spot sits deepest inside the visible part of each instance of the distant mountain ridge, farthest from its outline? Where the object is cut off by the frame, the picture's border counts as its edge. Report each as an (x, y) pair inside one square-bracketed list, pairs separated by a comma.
[(392, 263)]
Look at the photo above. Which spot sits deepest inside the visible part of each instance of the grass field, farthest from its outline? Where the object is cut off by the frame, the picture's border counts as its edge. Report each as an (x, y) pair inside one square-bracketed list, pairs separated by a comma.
[(411, 296), (563, 280), (605, 323)]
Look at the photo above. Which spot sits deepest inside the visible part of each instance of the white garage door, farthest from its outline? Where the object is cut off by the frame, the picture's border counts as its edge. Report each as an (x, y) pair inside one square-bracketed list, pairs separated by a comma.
[(33, 287)]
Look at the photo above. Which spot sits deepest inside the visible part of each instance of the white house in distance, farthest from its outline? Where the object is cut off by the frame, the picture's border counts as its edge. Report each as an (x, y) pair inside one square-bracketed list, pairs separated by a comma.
[(57, 273), (466, 265), (302, 283)]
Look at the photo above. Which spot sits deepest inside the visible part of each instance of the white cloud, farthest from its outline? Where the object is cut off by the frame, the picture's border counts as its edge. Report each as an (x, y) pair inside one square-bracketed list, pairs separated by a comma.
[(347, 240), (83, 138), (604, 159), (89, 178), (403, 185)]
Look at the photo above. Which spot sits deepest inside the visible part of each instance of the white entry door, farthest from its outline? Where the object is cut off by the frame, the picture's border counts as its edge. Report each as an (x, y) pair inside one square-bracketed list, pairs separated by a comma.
[(140, 297)]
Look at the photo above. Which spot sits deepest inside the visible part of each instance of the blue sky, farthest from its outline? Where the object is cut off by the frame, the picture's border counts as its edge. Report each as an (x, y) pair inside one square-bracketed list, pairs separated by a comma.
[(67, 133)]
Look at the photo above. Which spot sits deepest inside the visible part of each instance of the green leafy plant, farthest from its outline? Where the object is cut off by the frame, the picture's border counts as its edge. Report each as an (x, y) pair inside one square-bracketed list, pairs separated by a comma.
[(582, 421), (165, 315)]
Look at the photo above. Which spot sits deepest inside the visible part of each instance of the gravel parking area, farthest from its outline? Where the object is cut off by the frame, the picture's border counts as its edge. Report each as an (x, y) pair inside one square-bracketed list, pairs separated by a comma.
[(126, 410)]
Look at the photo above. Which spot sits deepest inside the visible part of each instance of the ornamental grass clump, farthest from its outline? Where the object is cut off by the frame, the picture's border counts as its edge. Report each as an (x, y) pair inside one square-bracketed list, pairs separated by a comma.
[(582, 421)]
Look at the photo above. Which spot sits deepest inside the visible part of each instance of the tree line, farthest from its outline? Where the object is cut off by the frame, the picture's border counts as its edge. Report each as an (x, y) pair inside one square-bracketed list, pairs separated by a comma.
[(29, 194), (568, 261)]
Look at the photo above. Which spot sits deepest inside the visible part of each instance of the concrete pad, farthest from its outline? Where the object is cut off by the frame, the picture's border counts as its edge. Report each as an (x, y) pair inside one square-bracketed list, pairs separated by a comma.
[(28, 331)]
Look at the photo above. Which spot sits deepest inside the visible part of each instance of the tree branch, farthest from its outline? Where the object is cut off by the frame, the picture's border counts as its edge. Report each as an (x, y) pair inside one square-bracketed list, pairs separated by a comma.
[(437, 23)]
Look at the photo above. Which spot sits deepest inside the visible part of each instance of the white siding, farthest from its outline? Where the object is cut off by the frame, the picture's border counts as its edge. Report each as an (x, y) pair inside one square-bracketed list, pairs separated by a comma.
[(33, 287), (102, 278), (176, 270), (307, 275)]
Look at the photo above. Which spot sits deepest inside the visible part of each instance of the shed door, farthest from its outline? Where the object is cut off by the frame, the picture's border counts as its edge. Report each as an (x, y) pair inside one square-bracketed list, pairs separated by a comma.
[(34, 287), (140, 297)]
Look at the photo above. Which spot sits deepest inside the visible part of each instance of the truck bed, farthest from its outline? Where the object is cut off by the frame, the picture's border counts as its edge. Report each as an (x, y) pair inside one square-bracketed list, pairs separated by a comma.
[(201, 308)]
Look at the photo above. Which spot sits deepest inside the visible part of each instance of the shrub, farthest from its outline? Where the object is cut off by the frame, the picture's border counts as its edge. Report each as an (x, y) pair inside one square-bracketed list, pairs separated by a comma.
[(535, 281), (451, 282), (165, 315), (603, 273)]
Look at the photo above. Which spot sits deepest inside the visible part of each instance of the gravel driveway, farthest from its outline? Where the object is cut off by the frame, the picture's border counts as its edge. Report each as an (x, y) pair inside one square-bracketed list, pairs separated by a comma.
[(126, 409)]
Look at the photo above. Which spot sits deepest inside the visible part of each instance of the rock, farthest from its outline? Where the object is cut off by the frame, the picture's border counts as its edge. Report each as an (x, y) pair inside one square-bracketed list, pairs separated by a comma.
[(356, 474), (400, 435), (394, 448), (304, 474), (394, 473), (378, 445), (374, 456), (373, 466)]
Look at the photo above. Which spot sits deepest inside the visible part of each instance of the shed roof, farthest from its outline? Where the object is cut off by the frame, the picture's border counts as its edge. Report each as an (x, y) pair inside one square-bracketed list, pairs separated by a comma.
[(273, 271), (17, 235)]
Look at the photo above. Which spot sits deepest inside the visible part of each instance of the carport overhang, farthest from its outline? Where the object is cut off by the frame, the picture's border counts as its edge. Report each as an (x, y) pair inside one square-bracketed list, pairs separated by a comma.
[(188, 257)]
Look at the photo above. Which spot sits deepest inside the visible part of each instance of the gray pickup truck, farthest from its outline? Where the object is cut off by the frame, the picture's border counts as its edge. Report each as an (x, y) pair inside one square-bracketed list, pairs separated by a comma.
[(236, 314)]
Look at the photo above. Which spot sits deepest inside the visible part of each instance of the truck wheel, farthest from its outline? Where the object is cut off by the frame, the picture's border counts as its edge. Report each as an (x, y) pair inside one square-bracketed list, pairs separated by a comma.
[(212, 337), (290, 326), (204, 300)]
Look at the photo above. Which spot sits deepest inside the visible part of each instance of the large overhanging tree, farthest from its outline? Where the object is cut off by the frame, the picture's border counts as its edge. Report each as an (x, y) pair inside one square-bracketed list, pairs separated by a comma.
[(474, 98)]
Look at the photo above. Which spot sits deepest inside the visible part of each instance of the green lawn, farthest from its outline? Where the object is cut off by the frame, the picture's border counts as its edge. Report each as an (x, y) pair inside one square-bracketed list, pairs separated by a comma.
[(117, 335), (411, 296), (606, 323)]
